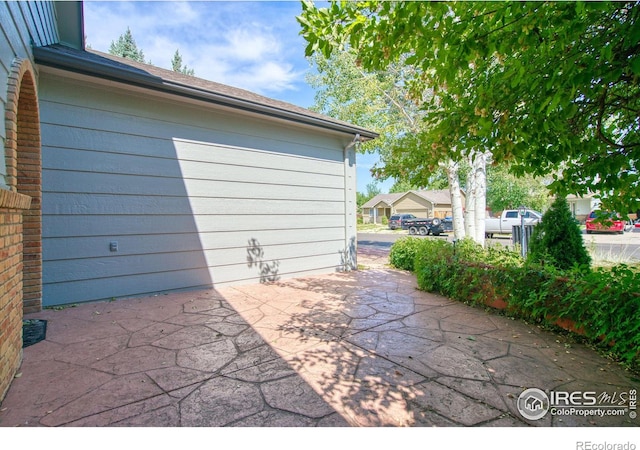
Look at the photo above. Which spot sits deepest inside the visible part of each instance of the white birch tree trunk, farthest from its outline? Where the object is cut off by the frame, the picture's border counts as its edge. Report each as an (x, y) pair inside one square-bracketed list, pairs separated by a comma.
[(470, 213), (480, 177), (456, 199)]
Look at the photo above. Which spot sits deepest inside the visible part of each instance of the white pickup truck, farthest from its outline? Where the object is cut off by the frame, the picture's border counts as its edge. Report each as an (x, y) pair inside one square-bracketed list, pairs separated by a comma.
[(509, 218)]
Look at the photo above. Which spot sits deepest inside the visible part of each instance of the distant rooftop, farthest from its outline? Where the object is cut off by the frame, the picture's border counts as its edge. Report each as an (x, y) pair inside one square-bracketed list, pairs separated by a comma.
[(437, 196)]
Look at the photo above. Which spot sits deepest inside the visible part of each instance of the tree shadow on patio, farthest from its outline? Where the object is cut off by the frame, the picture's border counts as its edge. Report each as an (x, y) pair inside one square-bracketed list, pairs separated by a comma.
[(346, 361)]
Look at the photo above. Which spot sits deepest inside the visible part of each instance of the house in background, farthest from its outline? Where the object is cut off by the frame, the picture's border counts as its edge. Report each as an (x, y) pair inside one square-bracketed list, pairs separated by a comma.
[(122, 179), (429, 203), (378, 207), (581, 206)]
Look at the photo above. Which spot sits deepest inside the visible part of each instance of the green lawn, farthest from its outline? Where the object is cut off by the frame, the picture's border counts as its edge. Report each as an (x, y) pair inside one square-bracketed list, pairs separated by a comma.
[(377, 228), (371, 227)]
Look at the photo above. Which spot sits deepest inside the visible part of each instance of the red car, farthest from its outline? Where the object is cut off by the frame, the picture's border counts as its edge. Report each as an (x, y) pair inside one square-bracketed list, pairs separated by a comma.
[(608, 222)]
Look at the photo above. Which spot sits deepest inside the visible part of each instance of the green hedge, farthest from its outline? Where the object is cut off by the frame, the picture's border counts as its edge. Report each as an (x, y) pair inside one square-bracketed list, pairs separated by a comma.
[(604, 304), (403, 252)]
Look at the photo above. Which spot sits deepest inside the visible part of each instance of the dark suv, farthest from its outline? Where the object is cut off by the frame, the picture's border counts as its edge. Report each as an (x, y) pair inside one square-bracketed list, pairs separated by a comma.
[(398, 220)]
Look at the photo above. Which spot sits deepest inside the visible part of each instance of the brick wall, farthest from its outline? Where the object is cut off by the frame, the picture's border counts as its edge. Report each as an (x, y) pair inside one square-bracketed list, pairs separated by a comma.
[(20, 218), (12, 205)]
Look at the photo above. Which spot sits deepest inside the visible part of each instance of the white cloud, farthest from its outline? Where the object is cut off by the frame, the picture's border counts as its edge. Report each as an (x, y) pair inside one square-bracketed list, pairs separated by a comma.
[(251, 45), (277, 76)]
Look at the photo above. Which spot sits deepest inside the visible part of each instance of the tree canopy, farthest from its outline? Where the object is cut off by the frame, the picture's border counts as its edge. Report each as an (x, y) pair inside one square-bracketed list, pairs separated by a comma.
[(379, 100), (506, 191), (376, 100), (363, 197), (126, 47), (176, 65), (550, 87)]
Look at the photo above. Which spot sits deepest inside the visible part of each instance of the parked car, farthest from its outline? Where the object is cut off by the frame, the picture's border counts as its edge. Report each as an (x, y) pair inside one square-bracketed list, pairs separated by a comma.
[(604, 222), (425, 227), (510, 217), (398, 221), (447, 224)]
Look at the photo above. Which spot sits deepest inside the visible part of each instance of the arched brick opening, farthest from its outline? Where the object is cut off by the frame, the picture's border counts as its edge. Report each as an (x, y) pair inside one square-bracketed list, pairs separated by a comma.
[(20, 218), (24, 172)]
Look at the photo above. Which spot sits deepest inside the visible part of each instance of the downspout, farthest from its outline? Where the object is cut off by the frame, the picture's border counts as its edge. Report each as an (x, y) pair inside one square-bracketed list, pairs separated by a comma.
[(351, 242)]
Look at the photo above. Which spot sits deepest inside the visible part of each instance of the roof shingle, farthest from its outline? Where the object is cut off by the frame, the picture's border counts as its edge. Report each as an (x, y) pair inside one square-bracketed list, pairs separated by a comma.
[(92, 62)]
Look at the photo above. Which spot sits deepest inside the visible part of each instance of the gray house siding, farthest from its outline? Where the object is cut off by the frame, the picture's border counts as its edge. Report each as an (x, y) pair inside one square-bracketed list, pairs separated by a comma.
[(194, 197), (21, 24)]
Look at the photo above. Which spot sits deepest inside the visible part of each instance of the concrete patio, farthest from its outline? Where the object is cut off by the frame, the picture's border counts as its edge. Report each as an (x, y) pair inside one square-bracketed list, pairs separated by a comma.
[(347, 349)]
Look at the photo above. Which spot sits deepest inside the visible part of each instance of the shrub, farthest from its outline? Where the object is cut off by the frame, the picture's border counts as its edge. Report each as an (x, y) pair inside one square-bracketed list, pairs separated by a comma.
[(403, 252), (384, 220), (607, 304), (604, 304), (557, 239), (469, 250), (431, 264)]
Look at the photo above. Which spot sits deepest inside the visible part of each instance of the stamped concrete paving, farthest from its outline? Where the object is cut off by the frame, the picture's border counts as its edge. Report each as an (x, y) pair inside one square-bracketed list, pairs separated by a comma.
[(348, 349)]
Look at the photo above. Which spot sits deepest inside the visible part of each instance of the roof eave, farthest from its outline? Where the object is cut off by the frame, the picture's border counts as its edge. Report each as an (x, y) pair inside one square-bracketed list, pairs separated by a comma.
[(52, 58), (377, 204)]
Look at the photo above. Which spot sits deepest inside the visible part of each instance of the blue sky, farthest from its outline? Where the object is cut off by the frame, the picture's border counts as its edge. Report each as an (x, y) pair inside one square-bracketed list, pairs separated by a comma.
[(254, 45)]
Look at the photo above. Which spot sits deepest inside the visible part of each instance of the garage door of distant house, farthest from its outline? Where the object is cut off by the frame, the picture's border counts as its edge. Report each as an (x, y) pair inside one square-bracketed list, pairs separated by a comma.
[(412, 204), (142, 195)]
